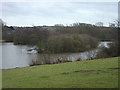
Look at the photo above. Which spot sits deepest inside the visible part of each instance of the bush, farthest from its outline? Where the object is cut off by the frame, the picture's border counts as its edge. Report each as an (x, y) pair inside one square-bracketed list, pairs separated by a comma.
[(70, 43)]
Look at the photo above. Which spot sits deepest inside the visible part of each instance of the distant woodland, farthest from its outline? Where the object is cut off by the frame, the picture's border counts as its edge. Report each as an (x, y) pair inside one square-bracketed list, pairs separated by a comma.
[(59, 38)]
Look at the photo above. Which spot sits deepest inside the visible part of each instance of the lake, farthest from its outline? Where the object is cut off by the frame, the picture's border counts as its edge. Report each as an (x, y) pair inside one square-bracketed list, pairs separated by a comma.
[(14, 56)]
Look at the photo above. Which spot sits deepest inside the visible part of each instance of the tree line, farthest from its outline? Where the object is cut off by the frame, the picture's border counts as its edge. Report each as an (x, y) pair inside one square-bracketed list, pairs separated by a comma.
[(75, 38)]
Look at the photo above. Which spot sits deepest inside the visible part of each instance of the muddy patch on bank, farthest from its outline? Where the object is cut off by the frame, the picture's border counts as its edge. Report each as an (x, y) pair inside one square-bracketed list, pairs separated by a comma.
[(113, 68), (85, 71)]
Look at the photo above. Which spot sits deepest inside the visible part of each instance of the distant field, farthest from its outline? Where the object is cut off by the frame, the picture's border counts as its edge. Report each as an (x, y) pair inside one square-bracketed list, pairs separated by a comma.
[(99, 73), (49, 28), (2, 40)]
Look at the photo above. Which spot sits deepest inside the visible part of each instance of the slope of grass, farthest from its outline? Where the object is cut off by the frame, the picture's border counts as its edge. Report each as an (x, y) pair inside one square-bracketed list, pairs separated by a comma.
[(79, 74)]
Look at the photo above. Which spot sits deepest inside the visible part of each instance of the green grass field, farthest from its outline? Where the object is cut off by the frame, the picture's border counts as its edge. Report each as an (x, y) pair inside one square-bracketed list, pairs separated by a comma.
[(79, 74)]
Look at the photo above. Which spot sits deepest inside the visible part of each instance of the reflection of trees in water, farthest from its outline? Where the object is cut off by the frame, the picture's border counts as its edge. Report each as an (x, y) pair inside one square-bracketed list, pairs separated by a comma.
[(58, 58), (51, 59), (91, 54)]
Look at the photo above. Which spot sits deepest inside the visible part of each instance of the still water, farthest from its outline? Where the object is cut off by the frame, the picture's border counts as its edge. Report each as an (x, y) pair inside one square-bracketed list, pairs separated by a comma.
[(14, 56)]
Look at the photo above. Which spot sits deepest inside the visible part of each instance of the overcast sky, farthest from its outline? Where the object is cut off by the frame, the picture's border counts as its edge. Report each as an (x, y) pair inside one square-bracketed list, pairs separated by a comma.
[(50, 13)]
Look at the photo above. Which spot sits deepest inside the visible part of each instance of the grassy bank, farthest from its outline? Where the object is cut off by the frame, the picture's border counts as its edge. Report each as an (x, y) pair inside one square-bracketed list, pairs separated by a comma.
[(97, 73)]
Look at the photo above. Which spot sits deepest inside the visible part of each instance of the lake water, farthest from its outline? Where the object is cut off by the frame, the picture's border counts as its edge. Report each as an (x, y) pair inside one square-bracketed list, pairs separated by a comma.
[(14, 56)]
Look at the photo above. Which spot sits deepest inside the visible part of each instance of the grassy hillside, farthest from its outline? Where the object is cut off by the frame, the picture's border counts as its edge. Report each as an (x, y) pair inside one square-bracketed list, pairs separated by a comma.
[(79, 74)]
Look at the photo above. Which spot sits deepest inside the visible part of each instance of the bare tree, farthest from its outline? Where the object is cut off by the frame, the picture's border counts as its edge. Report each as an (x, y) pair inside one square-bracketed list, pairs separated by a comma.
[(111, 24), (117, 23)]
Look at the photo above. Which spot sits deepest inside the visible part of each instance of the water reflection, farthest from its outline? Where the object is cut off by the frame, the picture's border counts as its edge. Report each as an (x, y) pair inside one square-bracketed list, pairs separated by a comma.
[(18, 56), (15, 56)]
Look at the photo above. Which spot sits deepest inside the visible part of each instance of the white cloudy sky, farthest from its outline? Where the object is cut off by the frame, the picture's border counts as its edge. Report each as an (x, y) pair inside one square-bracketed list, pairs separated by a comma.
[(50, 13)]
